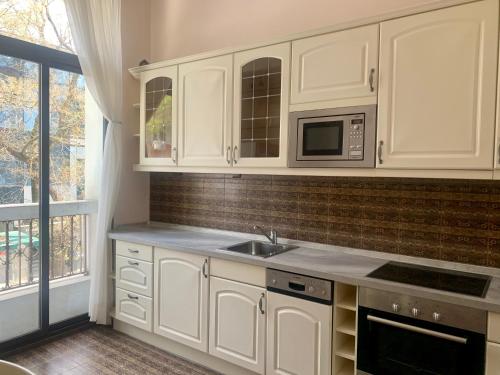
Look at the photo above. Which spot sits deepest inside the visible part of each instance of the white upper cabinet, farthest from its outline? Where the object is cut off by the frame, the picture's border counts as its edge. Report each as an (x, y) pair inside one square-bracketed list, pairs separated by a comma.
[(158, 131), (437, 89), (181, 297), (341, 67), (205, 111), (261, 87), (238, 323)]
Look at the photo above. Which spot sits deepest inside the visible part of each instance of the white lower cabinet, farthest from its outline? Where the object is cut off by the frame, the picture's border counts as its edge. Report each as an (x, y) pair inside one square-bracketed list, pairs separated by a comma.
[(238, 323), (492, 358), (134, 309), (181, 297), (299, 336)]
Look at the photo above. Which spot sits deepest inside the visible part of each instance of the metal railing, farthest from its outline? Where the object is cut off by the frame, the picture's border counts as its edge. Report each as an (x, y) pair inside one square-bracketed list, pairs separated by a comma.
[(20, 248)]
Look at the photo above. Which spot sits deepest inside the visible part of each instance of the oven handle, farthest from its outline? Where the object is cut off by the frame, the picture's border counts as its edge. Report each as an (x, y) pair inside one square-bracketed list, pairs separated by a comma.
[(457, 339)]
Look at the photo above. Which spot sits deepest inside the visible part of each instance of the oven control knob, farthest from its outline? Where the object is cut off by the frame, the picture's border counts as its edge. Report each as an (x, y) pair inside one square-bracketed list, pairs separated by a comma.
[(356, 127), (436, 316), (396, 307), (415, 312), (311, 289), (273, 281)]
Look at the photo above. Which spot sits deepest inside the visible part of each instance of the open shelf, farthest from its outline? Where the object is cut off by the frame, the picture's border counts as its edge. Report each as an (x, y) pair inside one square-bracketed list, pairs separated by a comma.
[(346, 297), (344, 366), (345, 321), (346, 346)]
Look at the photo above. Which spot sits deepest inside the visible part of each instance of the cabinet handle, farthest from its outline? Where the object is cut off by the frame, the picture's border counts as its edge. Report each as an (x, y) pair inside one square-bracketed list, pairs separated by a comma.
[(380, 160), (204, 268), (498, 153), (235, 150), (174, 154), (133, 263), (371, 79), (132, 251), (132, 297), (227, 155), (261, 303)]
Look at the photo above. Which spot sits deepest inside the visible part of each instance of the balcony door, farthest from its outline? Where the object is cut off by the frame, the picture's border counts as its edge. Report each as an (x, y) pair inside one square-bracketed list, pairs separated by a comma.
[(47, 169)]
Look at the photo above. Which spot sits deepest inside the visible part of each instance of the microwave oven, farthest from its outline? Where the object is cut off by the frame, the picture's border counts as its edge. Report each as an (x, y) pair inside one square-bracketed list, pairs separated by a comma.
[(337, 137)]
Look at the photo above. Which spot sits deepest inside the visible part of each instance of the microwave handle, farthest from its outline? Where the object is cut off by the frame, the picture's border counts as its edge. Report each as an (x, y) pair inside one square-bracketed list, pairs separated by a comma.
[(379, 152), (424, 331)]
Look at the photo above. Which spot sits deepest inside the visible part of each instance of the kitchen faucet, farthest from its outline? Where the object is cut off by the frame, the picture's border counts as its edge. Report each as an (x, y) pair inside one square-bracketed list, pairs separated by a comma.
[(272, 236)]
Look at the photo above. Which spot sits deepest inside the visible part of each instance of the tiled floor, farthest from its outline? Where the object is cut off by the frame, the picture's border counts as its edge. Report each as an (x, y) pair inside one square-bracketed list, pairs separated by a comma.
[(101, 350)]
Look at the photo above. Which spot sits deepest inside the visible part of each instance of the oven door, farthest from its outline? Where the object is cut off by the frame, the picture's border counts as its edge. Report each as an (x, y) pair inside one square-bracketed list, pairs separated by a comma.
[(323, 138), (390, 344)]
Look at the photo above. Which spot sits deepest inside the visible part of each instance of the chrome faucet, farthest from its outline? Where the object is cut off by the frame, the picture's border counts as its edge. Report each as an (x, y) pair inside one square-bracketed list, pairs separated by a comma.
[(272, 236)]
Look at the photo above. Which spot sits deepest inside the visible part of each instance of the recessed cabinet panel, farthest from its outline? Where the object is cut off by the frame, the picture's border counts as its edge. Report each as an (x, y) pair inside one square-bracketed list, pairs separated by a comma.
[(261, 106), (237, 323), (159, 116), (134, 275), (205, 111), (437, 89), (299, 336), (181, 297), (133, 308), (340, 65)]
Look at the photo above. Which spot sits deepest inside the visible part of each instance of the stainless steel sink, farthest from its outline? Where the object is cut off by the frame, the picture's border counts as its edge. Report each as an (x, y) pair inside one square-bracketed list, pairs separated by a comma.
[(259, 249)]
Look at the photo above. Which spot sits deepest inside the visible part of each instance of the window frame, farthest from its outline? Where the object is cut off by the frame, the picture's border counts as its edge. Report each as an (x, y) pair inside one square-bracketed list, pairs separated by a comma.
[(47, 58)]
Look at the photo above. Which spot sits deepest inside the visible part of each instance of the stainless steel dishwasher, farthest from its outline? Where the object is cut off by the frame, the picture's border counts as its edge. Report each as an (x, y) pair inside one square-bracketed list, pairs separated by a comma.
[(299, 324)]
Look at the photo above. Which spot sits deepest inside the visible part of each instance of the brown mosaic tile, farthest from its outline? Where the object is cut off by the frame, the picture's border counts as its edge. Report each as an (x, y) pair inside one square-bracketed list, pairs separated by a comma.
[(455, 220)]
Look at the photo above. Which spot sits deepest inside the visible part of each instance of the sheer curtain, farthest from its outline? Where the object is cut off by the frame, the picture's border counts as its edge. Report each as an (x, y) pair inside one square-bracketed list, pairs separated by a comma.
[(96, 30)]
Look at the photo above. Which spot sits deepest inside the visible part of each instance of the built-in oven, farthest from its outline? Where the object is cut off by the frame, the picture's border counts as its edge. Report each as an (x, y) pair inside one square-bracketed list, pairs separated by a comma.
[(404, 335), (338, 137)]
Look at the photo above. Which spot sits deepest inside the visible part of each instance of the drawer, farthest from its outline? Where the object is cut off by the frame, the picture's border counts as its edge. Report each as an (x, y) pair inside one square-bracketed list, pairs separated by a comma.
[(134, 309), (134, 275), (492, 358), (494, 327), (134, 250), (245, 273)]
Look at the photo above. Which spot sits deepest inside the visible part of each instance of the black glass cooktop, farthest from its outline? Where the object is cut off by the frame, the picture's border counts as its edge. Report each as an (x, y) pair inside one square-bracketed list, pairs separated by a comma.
[(451, 281)]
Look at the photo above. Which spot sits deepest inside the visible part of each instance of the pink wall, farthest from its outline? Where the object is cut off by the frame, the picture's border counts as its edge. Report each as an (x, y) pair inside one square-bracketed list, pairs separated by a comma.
[(186, 27)]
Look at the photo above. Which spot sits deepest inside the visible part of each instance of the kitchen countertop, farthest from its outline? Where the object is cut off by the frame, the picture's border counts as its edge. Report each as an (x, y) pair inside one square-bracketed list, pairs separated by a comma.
[(324, 261)]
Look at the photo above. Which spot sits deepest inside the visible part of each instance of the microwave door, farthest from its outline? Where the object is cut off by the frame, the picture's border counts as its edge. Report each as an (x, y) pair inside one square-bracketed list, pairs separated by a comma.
[(323, 138)]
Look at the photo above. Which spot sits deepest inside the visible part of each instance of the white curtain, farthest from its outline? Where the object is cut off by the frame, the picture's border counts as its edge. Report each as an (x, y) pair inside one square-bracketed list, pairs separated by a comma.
[(96, 30)]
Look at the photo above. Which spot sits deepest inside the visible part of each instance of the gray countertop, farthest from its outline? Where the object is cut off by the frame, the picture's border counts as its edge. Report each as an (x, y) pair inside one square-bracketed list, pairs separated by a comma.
[(325, 261)]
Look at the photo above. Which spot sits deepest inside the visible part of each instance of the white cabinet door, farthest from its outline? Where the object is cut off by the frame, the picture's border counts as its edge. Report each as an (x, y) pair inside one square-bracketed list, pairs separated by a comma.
[(238, 323), (337, 66), (261, 87), (205, 111), (492, 359), (299, 336), (437, 88), (181, 297), (158, 132)]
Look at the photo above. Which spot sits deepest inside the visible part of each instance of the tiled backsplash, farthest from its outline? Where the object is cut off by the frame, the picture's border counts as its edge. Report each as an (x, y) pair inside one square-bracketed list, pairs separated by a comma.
[(456, 220)]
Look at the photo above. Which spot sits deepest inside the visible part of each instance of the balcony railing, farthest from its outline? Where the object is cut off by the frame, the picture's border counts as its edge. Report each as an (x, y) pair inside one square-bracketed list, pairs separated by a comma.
[(20, 247)]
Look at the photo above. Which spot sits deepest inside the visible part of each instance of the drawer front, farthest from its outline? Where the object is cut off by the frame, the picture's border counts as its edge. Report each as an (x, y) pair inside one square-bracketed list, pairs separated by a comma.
[(492, 358), (134, 275), (134, 250), (245, 273), (494, 327), (134, 309)]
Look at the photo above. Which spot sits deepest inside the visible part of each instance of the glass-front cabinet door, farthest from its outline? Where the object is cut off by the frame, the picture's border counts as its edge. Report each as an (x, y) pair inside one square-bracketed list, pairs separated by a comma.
[(159, 117), (261, 86)]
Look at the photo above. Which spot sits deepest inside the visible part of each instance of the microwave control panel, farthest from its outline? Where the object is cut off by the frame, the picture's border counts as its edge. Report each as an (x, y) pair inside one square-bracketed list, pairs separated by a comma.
[(356, 137)]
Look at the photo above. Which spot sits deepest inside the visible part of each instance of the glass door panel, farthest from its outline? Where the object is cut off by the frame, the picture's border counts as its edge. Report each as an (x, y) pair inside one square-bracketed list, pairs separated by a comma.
[(68, 286), (158, 129), (19, 197)]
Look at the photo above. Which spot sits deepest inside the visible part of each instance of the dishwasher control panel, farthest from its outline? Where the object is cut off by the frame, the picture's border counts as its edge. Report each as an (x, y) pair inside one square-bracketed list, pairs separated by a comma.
[(311, 288)]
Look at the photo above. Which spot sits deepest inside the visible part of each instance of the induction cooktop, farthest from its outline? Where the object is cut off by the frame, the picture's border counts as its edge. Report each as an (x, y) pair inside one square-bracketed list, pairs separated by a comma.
[(436, 278)]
